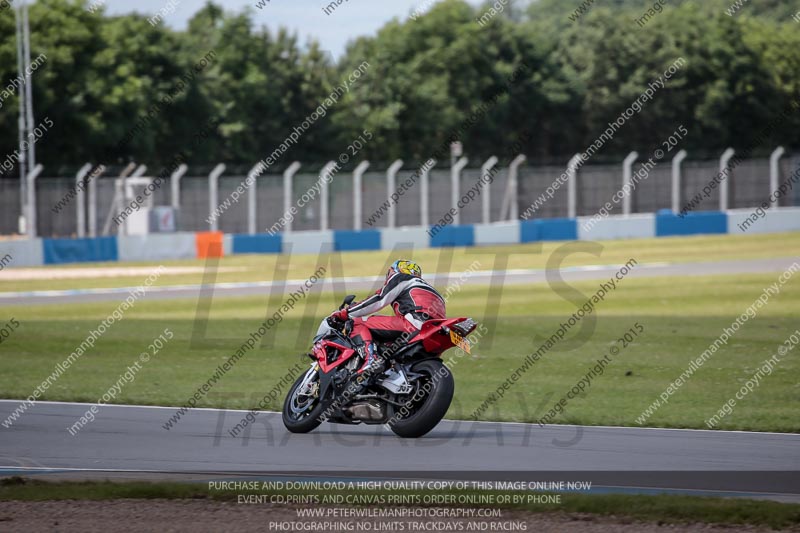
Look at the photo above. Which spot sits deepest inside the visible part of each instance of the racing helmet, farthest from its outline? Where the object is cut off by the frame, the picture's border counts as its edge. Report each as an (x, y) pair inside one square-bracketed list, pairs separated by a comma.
[(406, 267)]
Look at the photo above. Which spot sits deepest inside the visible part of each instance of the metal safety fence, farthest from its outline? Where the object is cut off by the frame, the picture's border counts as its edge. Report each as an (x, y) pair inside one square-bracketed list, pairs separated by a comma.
[(369, 198)]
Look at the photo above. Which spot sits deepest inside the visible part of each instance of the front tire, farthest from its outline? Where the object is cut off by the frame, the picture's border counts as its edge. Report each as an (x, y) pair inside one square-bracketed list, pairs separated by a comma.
[(427, 411), (301, 409)]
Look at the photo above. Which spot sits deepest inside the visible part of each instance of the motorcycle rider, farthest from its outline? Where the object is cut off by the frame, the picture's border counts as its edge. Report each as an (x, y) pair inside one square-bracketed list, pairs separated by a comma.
[(413, 301)]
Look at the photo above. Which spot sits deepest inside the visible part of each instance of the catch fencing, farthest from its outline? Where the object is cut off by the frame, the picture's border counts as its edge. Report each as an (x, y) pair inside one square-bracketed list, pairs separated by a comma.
[(749, 185)]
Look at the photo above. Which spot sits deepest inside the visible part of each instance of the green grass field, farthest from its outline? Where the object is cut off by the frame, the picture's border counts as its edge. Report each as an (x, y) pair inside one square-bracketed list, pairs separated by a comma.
[(681, 317)]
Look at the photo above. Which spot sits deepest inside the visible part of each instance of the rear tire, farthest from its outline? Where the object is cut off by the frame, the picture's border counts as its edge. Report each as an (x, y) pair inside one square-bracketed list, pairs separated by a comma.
[(307, 420), (432, 407)]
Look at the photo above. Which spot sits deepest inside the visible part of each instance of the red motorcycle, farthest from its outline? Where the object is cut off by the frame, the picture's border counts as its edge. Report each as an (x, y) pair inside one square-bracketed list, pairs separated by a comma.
[(411, 395)]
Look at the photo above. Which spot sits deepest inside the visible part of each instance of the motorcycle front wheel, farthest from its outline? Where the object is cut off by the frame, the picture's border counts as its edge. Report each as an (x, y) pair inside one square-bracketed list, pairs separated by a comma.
[(302, 408), (427, 405)]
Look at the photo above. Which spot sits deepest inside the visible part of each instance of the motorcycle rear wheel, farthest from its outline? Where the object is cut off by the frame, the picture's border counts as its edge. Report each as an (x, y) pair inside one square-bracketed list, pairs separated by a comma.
[(429, 410)]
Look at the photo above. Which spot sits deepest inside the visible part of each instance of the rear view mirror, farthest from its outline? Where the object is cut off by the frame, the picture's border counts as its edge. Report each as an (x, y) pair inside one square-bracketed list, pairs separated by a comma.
[(347, 300)]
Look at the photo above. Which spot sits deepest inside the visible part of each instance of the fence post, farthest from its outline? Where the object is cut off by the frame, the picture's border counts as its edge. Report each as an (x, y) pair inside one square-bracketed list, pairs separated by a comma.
[(81, 202), (117, 203), (358, 175), (486, 200), (391, 186), (175, 185), (676, 180), (213, 195), (455, 188), (774, 171), (138, 173), (325, 176), (725, 171), (140, 170), (93, 177), (572, 185), (31, 222), (627, 175), (93, 203), (424, 187), (252, 190), (510, 208), (288, 181)]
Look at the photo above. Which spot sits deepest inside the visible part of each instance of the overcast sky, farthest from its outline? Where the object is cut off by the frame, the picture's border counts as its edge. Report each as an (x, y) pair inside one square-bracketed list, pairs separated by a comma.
[(351, 19)]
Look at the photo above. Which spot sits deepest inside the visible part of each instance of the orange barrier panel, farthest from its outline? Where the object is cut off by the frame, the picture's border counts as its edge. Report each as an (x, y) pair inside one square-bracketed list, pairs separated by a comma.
[(209, 244)]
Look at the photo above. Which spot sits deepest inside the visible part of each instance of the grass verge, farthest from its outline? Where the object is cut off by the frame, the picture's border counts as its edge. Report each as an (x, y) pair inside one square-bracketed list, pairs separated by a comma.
[(680, 318), (666, 509)]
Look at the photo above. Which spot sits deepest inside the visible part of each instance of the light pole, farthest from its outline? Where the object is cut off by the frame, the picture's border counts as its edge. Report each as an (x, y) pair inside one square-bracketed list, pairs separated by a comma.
[(28, 86), (27, 152), (22, 126)]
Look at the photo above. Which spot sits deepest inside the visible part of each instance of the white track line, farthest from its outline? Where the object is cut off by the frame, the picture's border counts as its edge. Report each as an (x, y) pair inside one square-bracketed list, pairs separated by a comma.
[(217, 409), (325, 281)]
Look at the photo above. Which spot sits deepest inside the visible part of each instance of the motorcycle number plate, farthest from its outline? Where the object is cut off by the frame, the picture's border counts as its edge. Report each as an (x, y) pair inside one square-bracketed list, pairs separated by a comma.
[(459, 341)]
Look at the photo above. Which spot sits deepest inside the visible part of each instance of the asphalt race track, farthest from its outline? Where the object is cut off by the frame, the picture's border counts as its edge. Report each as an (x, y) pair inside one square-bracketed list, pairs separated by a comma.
[(360, 284), (128, 440)]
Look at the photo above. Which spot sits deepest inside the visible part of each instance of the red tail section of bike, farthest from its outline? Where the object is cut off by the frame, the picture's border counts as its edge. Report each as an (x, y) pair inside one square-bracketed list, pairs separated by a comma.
[(436, 334), (436, 337)]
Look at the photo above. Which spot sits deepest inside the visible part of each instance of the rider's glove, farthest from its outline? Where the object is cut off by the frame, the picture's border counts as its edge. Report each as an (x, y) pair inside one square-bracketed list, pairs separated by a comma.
[(338, 317)]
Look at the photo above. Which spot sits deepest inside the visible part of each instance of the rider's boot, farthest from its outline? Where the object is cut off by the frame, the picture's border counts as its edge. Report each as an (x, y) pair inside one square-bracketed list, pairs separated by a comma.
[(374, 364)]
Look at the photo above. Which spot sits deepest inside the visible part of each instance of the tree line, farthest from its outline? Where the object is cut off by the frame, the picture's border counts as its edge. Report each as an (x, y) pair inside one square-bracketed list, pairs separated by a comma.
[(109, 82)]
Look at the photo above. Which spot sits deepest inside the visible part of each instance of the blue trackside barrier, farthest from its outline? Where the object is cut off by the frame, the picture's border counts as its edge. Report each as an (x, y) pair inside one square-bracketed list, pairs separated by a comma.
[(157, 247), (710, 222), (448, 236), (100, 249), (257, 244), (354, 240), (549, 229)]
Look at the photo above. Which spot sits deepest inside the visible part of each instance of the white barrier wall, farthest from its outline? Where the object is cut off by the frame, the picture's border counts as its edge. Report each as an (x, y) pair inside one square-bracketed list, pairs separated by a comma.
[(617, 227), (775, 220), (497, 233), (227, 244), (25, 253), (157, 246), (166, 246), (308, 242), (412, 237)]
